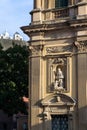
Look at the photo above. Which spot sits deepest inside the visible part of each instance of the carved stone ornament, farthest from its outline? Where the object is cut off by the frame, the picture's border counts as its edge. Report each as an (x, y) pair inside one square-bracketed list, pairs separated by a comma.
[(36, 50), (60, 61), (57, 102), (57, 49), (81, 46)]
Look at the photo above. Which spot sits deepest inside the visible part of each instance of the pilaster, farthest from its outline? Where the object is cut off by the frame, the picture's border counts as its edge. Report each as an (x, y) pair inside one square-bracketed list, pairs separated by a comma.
[(37, 4), (81, 83), (82, 8)]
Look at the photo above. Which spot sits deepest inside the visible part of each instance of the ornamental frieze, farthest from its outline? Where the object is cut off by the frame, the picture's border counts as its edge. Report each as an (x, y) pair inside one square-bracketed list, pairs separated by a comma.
[(58, 49), (81, 46)]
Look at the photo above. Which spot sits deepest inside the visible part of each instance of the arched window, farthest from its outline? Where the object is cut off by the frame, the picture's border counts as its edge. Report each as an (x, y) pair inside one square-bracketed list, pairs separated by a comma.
[(61, 3)]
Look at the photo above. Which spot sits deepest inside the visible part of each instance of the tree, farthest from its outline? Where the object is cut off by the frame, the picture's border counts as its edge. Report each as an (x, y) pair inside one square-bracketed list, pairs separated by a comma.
[(13, 78)]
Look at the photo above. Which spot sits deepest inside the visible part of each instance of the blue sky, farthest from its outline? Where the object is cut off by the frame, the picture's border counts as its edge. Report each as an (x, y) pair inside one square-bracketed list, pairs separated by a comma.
[(14, 14)]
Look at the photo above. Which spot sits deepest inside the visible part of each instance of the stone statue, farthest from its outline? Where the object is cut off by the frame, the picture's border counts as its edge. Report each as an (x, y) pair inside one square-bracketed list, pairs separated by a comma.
[(59, 74), (59, 79)]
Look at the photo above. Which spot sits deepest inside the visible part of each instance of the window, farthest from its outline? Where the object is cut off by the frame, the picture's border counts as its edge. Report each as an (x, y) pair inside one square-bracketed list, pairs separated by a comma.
[(61, 3), (59, 122)]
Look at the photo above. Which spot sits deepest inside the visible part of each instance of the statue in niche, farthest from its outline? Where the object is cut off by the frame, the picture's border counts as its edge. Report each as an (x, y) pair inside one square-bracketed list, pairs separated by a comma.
[(59, 79), (57, 72)]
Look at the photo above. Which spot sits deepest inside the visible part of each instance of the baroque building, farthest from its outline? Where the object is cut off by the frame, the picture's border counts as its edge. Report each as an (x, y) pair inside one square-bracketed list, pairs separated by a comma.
[(58, 65)]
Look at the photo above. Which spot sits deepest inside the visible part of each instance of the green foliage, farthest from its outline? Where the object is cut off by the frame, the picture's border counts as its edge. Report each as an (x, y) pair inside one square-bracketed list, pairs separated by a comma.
[(13, 78)]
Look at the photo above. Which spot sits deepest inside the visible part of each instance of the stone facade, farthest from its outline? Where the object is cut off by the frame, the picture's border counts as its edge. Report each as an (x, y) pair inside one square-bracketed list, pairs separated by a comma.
[(58, 66)]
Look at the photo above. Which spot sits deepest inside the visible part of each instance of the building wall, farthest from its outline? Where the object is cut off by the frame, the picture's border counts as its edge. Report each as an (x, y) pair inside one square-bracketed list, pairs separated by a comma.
[(58, 34)]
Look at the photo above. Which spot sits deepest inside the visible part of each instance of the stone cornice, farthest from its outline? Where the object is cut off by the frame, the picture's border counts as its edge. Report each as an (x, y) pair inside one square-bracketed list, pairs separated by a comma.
[(78, 23), (44, 27), (70, 24)]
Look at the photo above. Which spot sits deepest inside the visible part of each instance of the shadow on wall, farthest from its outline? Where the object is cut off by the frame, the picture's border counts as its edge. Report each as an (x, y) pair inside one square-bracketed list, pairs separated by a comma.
[(82, 118), (5, 121), (40, 126), (47, 125)]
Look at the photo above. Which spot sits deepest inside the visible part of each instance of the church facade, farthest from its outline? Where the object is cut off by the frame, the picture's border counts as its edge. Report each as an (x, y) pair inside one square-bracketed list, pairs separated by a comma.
[(58, 65)]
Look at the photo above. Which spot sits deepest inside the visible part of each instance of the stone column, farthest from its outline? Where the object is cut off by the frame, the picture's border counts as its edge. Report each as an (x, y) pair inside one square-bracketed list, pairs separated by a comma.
[(52, 3), (82, 79), (37, 4)]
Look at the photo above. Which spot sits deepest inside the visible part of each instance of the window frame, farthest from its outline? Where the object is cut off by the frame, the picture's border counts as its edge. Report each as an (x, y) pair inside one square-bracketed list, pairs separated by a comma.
[(61, 3)]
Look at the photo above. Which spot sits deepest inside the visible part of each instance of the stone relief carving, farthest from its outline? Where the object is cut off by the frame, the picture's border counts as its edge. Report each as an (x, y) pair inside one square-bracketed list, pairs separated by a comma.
[(81, 46), (36, 50), (57, 49), (59, 83)]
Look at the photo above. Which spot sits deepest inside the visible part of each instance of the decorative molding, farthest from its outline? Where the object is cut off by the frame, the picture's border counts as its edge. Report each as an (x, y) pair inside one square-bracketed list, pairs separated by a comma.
[(81, 46), (58, 99), (58, 49), (60, 61)]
